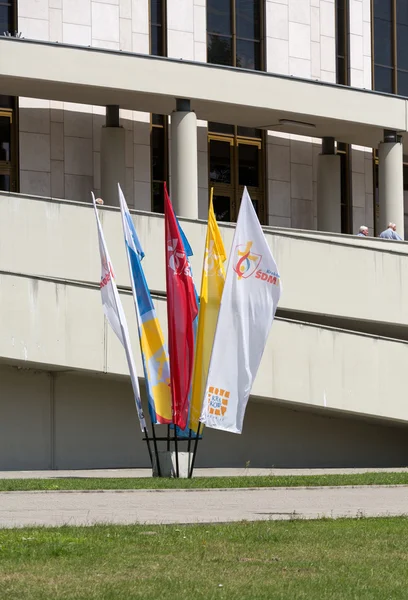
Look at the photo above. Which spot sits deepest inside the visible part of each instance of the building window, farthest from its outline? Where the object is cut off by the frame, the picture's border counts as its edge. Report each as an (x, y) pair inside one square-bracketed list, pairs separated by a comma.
[(8, 112), (159, 139), (159, 160), (235, 33), (342, 42), (236, 159), (343, 77), (236, 154), (390, 46)]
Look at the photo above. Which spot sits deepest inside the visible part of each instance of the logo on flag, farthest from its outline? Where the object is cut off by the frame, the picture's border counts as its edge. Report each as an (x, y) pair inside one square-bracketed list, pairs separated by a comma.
[(217, 401), (177, 259), (246, 262)]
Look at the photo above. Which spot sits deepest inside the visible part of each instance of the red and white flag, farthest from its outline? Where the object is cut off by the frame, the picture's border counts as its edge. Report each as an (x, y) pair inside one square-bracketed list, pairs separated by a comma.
[(113, 309), (182, 309)]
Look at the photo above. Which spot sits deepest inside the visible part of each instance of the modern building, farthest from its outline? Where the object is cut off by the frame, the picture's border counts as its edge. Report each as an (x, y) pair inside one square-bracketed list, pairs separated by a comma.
[(305, 103)]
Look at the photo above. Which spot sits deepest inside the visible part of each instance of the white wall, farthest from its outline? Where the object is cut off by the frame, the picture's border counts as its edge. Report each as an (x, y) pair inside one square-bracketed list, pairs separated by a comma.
[(60, 141), (78, 421), (360, 77), (342, 276), (58, 324), (187, 39), (300, 41)]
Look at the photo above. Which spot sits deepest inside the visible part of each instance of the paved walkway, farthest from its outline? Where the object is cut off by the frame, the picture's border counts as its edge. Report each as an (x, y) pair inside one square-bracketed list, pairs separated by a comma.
[(198, 506), (108, 473)]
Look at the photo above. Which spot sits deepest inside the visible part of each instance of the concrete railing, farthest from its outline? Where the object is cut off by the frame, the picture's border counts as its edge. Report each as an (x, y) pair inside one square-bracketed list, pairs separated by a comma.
[(45, 323), (328, 274)]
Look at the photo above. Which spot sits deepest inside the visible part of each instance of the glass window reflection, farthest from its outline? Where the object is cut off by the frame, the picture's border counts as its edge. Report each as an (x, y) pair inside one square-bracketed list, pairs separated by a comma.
[(220, 161), (383, 78), (248, 55), (248, 165), (222, 207), (219, 17), (5, 138), (248, 19), (383, 42), (219, 49)]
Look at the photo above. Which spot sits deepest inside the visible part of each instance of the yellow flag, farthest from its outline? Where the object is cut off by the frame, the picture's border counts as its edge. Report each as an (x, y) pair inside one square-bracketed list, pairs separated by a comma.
[(212, 284)]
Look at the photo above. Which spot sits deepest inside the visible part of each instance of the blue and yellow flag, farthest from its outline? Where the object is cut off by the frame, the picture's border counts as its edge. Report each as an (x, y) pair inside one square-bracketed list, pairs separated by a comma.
[(154, 352), (212, 285)]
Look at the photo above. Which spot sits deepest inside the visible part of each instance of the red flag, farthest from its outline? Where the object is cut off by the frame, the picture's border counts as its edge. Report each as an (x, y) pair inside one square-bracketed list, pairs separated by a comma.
[(181, 311)]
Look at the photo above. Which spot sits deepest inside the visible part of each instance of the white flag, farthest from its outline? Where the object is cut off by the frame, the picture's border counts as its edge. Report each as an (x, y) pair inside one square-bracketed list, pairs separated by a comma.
[(113, 309), (248, 305)]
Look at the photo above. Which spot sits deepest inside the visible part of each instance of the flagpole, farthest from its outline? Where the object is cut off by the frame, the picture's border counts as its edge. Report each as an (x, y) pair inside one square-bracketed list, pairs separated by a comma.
[(148, 446), (176, 451), (156, 451), (194, 451)]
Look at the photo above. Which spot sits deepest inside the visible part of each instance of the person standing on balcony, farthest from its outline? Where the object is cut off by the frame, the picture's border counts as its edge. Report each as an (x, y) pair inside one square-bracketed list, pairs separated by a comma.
[(363, 231), (391, 233)]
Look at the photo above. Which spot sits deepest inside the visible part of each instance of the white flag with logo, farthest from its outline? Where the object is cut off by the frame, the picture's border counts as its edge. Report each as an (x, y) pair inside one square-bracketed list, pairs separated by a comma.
[(113, 309), (248, 305)]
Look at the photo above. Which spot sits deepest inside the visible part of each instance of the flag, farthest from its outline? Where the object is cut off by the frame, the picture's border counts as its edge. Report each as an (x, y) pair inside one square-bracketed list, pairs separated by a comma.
[(113, 309), (212, 284), (154, 352), (181, 311), (248, 305), (185, 433)]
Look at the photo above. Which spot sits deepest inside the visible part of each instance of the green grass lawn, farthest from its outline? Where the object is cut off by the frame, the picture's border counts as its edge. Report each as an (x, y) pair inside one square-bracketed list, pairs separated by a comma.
[(364, 559), (78, 483)]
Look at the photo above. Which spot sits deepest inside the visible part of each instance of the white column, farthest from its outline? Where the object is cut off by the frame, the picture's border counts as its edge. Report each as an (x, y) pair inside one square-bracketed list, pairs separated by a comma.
[(391, 182), (184, 158), (113, 159), (328, 190)]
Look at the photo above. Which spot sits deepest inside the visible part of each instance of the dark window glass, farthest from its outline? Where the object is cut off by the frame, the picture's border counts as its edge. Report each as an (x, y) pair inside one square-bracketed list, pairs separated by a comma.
[(158, 119), (219, 50), (220, 161), (383, 42), (341, 48), (156, 12), (383, 79), (249, 132), (6, 102), (248, 19), (5, 138), (219, 16), (405, 177), (402, 12), (221, 128), (402, 47), (6, 19), (382, 9), (402, 83), (158, 197), (248, 165), (341, 71), (248, 55), (5, 183), (156, 40), (222, 208), (158, 154)]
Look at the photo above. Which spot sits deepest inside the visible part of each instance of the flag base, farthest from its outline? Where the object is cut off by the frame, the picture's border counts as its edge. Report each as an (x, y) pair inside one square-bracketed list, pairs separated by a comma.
[(168, 464)]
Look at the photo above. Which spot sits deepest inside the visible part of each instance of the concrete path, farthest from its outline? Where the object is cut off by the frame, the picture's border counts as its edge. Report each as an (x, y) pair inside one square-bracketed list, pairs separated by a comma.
[(198, 506), (108, 473)]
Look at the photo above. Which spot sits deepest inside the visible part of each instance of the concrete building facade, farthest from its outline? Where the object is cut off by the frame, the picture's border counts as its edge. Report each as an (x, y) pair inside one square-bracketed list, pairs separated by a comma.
[(305, 103), (322, 40)]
